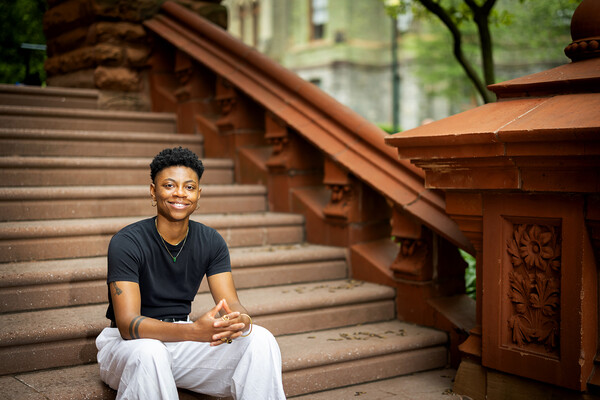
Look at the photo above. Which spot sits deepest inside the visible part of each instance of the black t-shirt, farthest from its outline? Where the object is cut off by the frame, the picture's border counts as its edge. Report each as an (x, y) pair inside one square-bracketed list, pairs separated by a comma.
[(137, 254)]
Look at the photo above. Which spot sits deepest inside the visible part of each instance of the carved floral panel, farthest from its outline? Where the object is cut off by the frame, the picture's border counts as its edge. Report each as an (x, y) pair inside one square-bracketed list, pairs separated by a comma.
[(534, 287)]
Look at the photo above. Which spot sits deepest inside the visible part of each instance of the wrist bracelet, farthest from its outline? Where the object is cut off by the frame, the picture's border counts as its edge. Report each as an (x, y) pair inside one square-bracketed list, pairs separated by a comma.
[(249, 332)]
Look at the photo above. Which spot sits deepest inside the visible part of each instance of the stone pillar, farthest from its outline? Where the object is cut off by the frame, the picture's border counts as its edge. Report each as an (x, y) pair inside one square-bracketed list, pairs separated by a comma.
[(522, 179), (102, 44)]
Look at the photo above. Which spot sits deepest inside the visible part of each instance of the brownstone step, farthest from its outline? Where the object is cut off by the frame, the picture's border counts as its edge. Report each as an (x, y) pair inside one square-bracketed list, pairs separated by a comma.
[(311, 362), (35, 96), (36, 285), (80, 171), (64, 337), (22, 117), (76, 238), (79, 143), (59, 202)]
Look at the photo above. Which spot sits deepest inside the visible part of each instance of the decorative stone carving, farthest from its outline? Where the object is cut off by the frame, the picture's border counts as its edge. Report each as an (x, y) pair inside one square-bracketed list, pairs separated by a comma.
[(338, 181), (183, 73), (276, 135), (534, 291), (585, 32), (226, 99)]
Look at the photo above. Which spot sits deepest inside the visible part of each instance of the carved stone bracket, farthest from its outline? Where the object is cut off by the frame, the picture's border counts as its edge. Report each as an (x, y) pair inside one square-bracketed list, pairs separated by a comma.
[(183, 73), (413, 259), (534, 289), (227, 98), (276, 135), (339, 182)]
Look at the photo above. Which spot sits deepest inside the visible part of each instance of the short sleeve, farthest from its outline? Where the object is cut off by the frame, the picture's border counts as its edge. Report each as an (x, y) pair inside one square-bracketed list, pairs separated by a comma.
[(124, 259), (219, 261)]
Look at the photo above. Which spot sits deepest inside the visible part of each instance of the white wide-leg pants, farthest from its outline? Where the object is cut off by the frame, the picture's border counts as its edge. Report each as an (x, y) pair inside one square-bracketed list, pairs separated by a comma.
[(148, 369)]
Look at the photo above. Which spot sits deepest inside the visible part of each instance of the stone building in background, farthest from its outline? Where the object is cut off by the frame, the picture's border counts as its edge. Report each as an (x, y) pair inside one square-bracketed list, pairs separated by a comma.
[(344, 47)]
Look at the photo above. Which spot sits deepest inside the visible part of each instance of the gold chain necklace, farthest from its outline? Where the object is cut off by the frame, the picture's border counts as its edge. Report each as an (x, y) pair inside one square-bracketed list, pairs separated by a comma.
[(166, 248)]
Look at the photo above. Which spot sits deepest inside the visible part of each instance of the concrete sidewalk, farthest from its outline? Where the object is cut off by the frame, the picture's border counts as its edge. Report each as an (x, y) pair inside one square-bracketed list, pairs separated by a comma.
[(430, 385)]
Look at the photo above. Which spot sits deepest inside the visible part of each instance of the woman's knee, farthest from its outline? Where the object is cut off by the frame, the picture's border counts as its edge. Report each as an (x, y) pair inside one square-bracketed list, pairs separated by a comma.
[(263, 339), (150, 351)]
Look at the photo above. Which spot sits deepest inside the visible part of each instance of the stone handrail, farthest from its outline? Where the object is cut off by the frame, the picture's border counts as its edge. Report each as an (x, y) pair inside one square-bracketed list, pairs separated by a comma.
[(338, 132)]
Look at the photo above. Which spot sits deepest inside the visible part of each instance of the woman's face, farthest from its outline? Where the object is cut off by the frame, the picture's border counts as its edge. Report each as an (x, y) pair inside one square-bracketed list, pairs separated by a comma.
[(176, 191)]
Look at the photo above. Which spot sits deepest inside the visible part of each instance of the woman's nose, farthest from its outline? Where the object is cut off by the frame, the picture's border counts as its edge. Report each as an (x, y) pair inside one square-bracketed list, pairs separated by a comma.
[(180, 191)]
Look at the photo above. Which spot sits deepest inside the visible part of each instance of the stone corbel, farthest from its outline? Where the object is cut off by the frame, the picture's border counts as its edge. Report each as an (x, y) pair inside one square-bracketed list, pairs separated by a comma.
[(276, 135), (413, 261), (226, 99), (339, 182), (183, 73)]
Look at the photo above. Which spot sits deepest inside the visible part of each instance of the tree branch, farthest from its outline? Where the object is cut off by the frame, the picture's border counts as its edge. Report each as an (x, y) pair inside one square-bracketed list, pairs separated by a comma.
[(443, 15), (481, 17)]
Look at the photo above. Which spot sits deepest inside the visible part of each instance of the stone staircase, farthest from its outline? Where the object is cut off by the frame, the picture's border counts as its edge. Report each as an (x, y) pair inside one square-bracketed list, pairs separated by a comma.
[(71, 176)]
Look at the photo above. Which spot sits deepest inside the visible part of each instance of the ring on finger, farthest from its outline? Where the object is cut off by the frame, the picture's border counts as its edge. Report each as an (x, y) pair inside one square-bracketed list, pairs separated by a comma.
[(225, 317)]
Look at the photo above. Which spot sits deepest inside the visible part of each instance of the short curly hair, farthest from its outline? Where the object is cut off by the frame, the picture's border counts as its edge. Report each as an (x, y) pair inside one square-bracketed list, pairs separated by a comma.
[(177, 156)]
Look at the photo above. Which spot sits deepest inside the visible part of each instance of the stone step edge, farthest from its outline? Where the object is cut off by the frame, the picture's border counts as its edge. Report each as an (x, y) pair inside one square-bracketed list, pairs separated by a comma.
[(70, 271), (83, 135), (89, 372), (48, 91), (56, 325), (114, 192), (344, 343), (96, 162), (363, 370), (102, 226), (73, 113)]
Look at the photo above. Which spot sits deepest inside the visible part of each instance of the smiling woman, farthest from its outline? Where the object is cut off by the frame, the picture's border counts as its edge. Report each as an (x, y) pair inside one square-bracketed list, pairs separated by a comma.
[(155, 267)]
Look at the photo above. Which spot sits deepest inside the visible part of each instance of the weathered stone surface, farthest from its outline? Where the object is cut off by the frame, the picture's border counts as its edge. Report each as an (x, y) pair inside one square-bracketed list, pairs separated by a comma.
[(210, 10), (82, 58), (125, 10), (67, 41), (108, 54), (67, 16), (136, 56), (118, 78), (106, 31), (79, 79)]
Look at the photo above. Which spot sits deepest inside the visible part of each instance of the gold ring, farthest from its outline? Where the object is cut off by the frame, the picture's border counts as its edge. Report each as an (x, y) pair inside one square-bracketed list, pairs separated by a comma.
[(225, 317), (229, 341)]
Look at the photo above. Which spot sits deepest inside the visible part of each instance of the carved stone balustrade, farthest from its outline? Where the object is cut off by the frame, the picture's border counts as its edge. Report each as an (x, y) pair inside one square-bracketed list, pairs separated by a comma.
[(317, 158), (522, 180)]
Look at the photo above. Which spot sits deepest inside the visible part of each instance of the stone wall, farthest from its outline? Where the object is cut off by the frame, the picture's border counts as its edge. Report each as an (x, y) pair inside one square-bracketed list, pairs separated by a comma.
[(102, 44)]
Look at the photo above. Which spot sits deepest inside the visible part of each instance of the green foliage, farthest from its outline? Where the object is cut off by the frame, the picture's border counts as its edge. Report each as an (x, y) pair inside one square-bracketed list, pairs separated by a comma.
[(470, 276), (389, 129), (520, 47), (21, 22)]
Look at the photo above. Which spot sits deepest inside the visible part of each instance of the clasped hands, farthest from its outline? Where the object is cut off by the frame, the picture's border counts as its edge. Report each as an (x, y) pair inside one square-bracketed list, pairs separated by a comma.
[(225, 328)]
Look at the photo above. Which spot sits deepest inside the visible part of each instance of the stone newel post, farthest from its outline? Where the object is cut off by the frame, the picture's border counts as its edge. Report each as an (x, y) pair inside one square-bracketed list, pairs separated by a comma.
[(522, 180)]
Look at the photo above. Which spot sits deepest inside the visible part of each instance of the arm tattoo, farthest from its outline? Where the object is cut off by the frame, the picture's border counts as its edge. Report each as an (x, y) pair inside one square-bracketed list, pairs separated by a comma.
[(118, 290), (134, 327)]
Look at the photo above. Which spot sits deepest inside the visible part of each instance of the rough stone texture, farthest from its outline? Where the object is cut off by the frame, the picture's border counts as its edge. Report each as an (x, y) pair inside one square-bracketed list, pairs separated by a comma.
[(430, 385), (115, 78), (106, 38)]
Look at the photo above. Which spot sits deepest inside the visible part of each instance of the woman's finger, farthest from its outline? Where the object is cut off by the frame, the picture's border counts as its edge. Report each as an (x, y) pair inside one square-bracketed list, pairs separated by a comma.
[(215, 310)]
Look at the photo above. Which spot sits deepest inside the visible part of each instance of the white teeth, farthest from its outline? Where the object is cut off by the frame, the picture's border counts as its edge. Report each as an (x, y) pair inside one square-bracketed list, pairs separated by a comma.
[(178, 205)]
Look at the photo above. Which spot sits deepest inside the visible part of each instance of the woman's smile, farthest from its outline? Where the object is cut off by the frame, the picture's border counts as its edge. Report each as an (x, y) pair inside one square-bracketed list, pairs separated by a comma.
[(176, 192)]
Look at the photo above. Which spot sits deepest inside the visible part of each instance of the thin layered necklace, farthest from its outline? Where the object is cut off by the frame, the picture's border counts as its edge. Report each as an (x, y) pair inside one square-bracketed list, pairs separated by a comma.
[(165, 244)]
